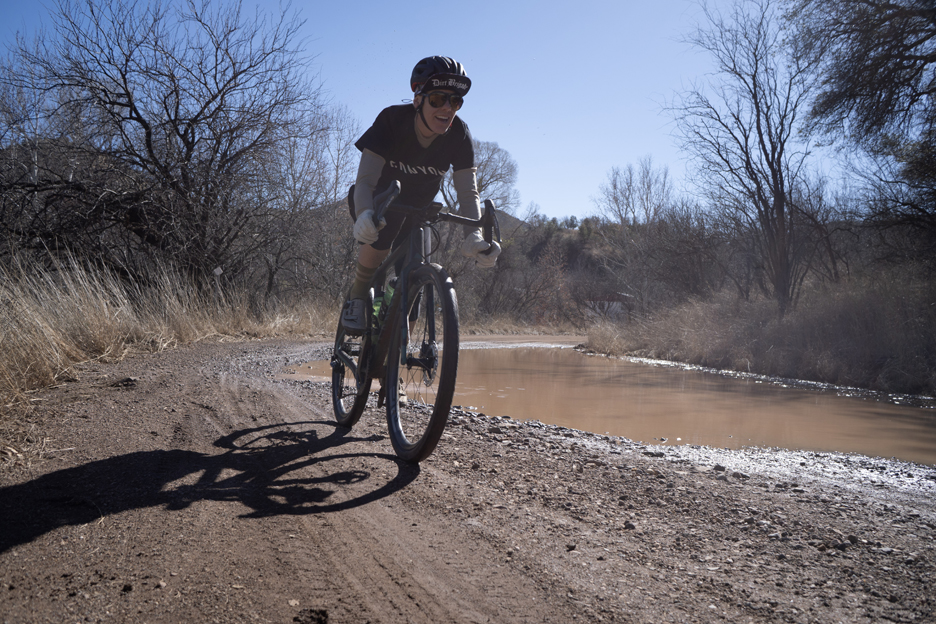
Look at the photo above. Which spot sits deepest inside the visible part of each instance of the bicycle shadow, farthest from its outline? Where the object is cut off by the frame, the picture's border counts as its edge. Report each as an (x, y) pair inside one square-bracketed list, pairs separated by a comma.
[(264, 468)]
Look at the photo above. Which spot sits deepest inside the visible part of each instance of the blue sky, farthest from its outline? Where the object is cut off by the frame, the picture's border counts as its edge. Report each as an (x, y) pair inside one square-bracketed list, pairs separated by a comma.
[(569, 89)]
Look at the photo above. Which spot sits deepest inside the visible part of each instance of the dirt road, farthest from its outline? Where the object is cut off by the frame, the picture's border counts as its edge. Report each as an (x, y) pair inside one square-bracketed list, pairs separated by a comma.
[(197, 486)]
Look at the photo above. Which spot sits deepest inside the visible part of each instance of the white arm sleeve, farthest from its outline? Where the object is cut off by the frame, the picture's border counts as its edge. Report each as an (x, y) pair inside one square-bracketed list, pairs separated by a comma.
[(466, 190), (367, 177)]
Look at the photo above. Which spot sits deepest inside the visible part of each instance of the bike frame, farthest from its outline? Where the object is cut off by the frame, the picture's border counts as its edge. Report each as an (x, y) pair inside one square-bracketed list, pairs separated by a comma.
[(413, 254), (424, 298)]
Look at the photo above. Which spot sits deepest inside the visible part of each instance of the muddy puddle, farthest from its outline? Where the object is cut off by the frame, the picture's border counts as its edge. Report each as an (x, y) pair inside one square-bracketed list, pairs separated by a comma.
[(661, 404)]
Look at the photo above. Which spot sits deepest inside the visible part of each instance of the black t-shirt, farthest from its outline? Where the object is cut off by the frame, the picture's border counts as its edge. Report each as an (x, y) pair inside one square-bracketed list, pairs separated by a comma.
[(419, 169)]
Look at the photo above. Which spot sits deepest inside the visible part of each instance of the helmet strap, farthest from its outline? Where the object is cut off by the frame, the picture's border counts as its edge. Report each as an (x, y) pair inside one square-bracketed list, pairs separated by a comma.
[(422, 115)]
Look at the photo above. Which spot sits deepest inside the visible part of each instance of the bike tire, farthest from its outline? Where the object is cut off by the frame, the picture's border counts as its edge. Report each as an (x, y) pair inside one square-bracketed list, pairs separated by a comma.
[(427, 365), (351, 380)]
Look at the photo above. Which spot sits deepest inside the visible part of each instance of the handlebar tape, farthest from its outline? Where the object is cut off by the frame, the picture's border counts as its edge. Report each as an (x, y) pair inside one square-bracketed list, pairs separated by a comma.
[(487, 227), (383, 201)]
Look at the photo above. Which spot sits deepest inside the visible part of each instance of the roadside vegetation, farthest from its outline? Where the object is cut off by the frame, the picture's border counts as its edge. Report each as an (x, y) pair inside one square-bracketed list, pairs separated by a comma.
[(878, 336), (53, 318), (142, 206), (788, 258)]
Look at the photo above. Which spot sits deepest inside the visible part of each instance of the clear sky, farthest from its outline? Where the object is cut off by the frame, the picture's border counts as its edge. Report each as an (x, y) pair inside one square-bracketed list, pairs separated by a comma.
[(569, 89)]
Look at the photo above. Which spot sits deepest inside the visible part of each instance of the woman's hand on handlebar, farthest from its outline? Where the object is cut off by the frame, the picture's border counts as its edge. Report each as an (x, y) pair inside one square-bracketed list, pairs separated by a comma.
[(365, 232), (484, 253)]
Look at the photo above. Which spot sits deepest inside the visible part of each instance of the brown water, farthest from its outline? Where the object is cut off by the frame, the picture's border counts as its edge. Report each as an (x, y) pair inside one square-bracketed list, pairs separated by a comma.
[(651, 403)]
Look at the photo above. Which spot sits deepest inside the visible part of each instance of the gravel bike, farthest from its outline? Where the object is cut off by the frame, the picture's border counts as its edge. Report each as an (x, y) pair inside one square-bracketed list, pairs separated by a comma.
[(410, 344)]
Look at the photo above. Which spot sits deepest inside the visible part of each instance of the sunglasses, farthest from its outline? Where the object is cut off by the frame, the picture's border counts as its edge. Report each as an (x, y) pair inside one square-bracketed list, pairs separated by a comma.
[(438, 99)]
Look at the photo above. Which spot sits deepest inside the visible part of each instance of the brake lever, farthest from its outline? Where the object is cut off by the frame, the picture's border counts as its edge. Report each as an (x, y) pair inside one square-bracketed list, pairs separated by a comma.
[(488, 226)]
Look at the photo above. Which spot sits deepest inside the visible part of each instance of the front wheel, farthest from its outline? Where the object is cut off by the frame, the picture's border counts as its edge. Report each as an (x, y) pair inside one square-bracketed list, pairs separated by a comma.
[(351, 379), (422, 364)]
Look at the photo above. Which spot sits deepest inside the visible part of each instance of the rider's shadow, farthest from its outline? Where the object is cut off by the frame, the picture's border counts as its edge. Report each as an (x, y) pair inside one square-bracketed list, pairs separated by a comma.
[(264, 468)]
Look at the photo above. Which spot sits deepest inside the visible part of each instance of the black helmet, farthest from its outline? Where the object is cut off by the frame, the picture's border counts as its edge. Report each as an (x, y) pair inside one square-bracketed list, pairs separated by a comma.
[(439, 72)]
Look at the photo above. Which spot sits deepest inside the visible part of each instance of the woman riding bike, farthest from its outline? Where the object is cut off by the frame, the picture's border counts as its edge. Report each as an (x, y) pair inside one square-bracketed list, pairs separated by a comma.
[(415, 145)]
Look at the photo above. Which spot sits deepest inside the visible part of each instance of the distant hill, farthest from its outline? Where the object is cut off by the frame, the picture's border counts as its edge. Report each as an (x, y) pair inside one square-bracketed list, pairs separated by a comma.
[(510, 225)]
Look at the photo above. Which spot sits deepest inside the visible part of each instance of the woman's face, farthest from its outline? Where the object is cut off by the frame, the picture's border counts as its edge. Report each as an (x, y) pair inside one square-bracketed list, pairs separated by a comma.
[(437, 119)]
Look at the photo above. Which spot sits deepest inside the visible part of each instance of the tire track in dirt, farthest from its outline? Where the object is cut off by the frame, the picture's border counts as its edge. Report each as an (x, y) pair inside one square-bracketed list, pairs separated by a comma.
[(208, 490), (380, 557), (390, 558)]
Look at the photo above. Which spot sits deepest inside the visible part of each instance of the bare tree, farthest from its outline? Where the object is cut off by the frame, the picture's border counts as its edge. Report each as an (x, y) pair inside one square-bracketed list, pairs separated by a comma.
[(689, 253), (877, 61), (631, 205), (315, 251), (180, 111), (878, 81), (45, 167), (743, 136), (307, 248), (635, 195), (497, 177)]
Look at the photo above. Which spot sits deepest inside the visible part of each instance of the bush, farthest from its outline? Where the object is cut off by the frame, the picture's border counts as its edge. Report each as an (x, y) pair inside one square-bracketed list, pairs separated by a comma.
[(876, 333)]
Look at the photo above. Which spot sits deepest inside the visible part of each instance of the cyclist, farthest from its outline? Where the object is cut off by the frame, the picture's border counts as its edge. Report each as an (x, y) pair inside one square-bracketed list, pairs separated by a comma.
[(415, 144)]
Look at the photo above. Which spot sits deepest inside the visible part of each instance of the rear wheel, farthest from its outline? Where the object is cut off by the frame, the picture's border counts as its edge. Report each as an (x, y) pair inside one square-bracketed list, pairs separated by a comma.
[(422, 364), (351, 381)]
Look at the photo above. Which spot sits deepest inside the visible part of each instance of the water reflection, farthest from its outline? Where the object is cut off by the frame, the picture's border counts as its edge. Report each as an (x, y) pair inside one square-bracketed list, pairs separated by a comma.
[(648, 403)]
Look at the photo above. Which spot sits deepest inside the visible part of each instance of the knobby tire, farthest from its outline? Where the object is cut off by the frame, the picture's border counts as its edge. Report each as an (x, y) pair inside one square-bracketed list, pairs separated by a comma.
[(426, 365)]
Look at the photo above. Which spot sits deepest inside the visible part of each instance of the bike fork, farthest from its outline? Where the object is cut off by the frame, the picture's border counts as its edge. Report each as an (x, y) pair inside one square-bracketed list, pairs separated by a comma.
[(423, 252)]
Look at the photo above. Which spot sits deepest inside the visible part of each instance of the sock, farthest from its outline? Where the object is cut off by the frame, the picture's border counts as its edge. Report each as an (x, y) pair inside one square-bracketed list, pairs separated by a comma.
[(362, 277)]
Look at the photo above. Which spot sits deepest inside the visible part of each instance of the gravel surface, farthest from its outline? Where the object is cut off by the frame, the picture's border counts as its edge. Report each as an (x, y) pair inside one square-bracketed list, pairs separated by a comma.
[(199, 485)]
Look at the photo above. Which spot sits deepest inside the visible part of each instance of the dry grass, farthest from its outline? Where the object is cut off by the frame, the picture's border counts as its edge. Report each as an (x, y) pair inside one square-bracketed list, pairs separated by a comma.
[(877, 334), (51, 320)]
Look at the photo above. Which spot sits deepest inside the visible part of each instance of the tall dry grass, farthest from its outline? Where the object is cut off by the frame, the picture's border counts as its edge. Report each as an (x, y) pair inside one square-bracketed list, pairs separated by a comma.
[(52, 319), (877, 333)]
